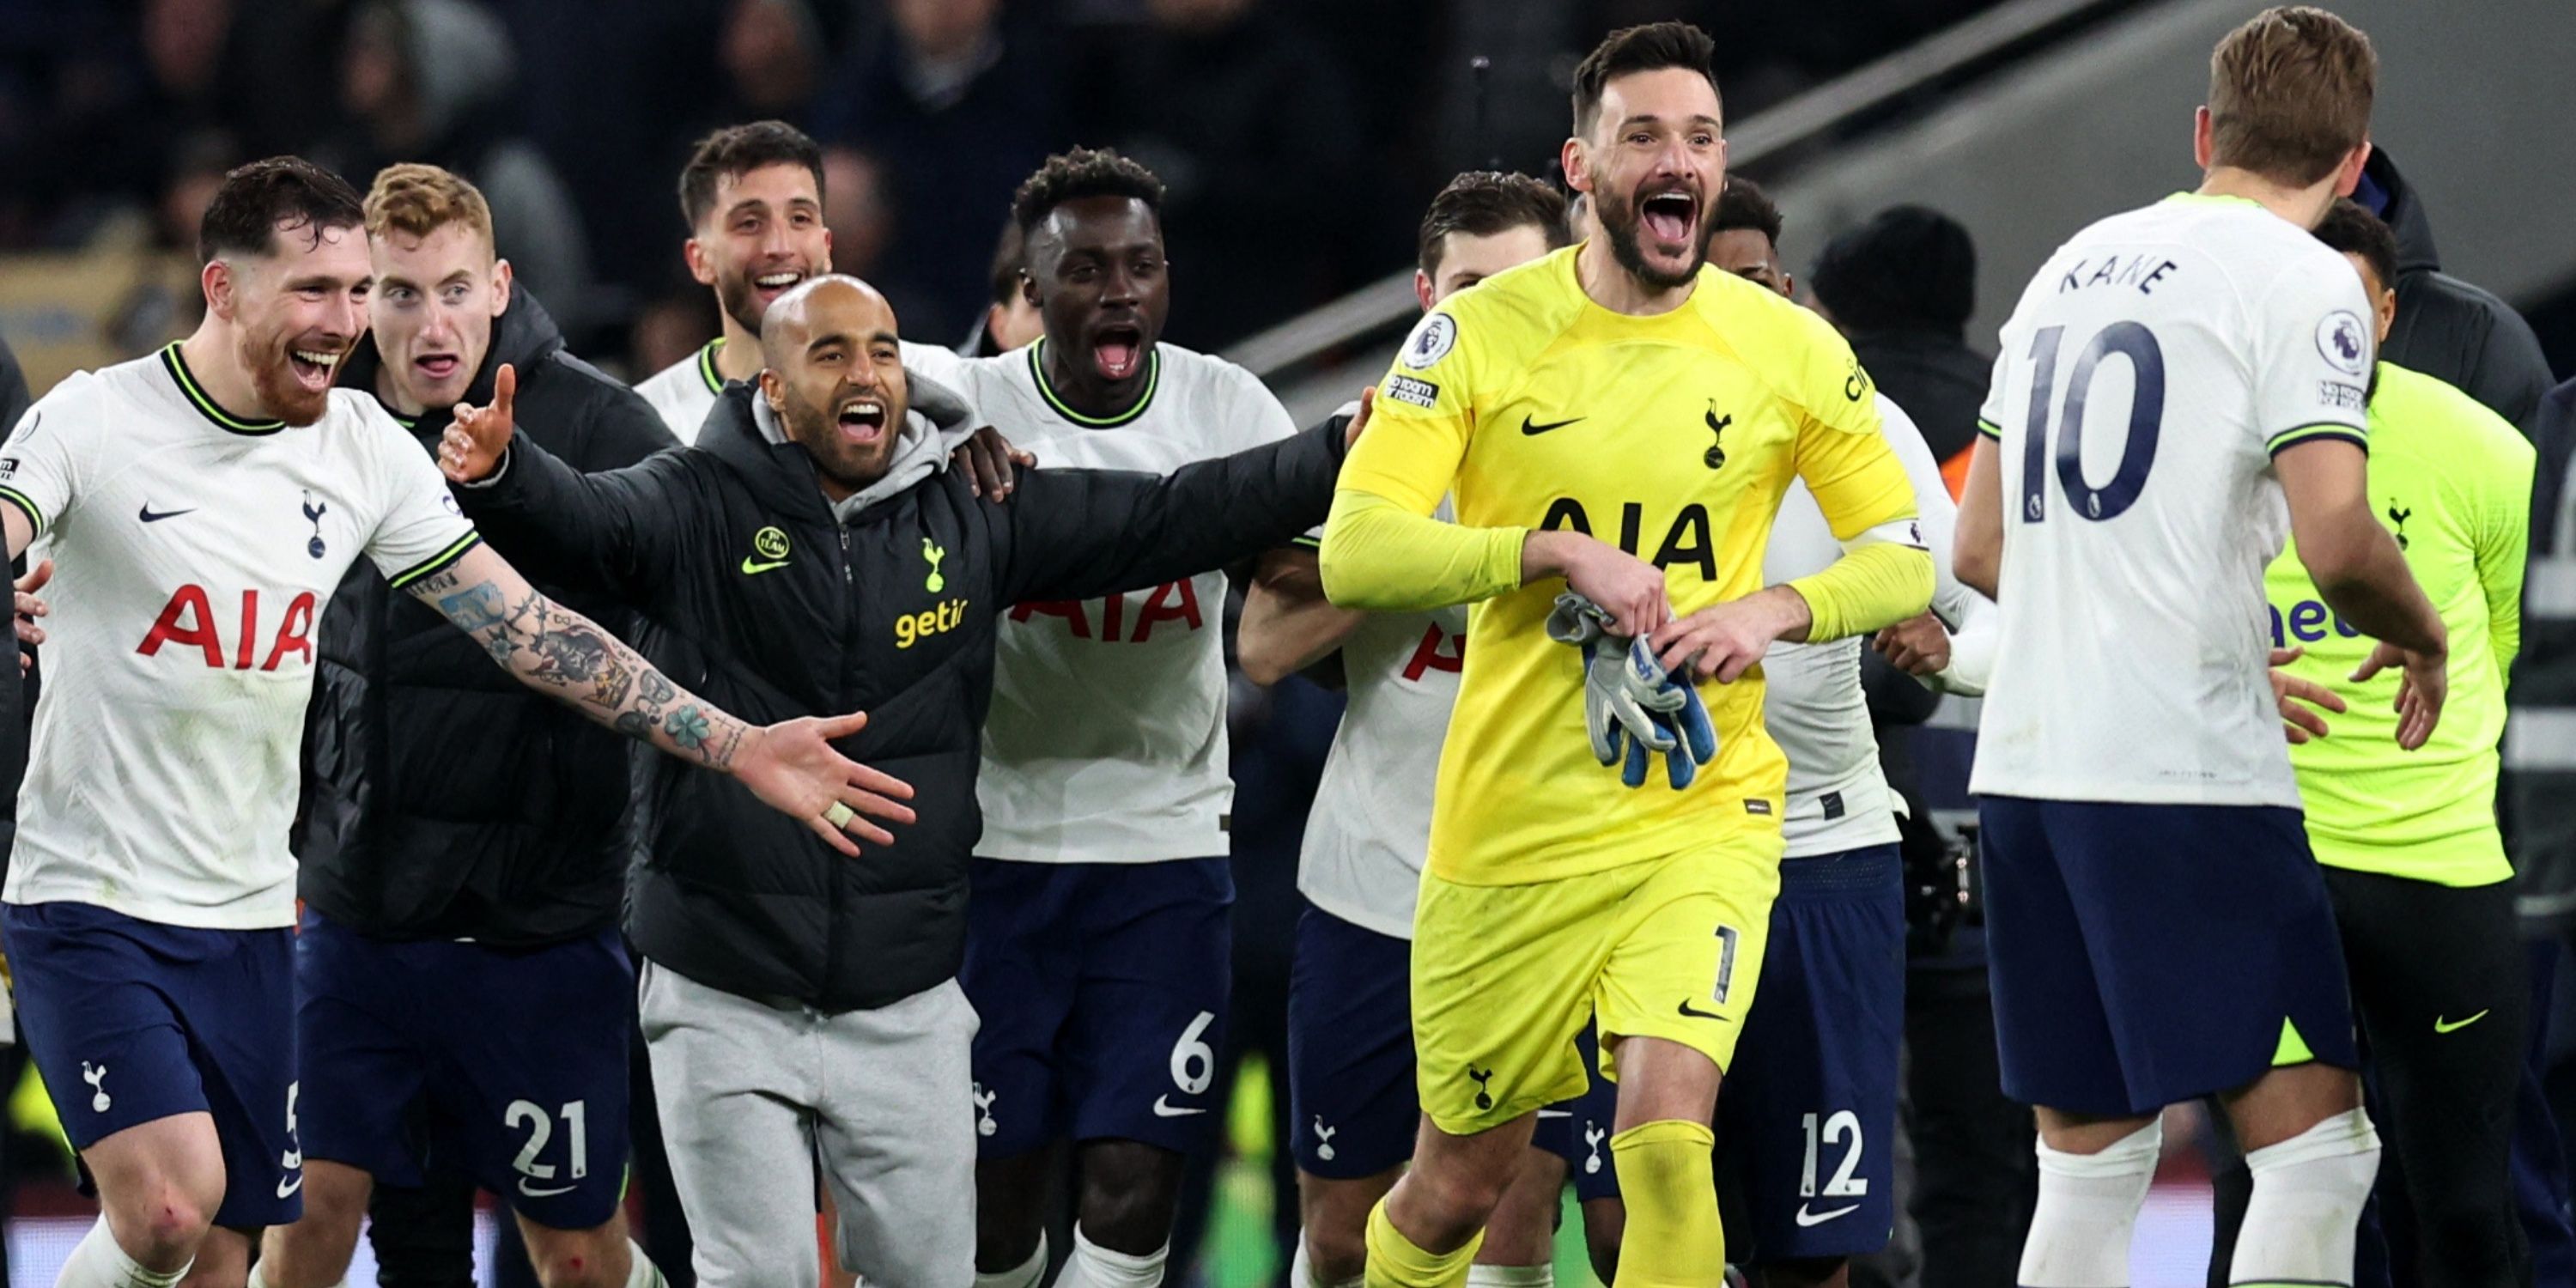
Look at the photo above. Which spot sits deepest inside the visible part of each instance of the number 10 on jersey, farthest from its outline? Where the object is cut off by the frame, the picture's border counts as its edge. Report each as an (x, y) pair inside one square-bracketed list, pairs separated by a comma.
[(2128, 340)]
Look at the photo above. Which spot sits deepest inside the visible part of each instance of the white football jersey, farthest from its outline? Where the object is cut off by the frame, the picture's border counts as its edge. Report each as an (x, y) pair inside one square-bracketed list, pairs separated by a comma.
[(2148, 375), (194, 553), (1813, 705), (685, 391), (1370, 825), (1106, 739)]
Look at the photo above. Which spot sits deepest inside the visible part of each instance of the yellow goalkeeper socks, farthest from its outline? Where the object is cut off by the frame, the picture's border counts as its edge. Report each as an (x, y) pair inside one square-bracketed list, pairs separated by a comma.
[(1673, 1239), (1394, 1261)]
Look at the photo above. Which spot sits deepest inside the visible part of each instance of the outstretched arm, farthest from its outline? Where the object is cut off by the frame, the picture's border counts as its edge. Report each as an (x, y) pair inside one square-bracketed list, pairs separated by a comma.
[(790, 766), (1076, 534), (601, 531)]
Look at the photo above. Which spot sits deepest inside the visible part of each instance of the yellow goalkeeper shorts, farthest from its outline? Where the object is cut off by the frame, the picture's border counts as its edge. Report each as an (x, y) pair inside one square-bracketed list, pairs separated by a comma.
[(1504, 976)]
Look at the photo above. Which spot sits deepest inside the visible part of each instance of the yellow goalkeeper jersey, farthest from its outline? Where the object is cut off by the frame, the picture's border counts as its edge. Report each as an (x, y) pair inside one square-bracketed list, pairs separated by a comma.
[(1671, 436)]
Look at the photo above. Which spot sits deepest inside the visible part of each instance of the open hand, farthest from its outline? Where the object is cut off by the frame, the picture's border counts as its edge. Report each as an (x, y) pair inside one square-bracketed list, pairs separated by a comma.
[(792, 767), (2425, 681), (471, 448), (2299, 700)]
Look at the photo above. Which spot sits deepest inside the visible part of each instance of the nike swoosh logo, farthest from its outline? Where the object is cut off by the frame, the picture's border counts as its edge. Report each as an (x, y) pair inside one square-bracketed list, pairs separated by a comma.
[(1806, 1218), (287, 1188), (1701, 1015), (752, 568), (543, 1194), (1163, 1108), (1556, 1113), (2441, 1025), (1536, 428), (149, 517)]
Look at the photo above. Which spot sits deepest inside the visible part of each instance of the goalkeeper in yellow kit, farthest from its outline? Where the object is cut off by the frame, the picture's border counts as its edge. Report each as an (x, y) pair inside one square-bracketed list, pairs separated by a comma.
[(1619, 416)]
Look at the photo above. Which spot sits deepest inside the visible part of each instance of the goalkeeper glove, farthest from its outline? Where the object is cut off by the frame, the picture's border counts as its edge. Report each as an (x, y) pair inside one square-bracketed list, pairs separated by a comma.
[(1631, 706)]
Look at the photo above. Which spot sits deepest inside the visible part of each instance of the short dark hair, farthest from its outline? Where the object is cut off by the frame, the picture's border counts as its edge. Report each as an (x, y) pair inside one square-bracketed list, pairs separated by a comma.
[(257, 200), (2350, 229), (1639, 49), (1906, 268), (1010, 263), (1743, 204), (737, 150), (1481, 203), (1081, 173)]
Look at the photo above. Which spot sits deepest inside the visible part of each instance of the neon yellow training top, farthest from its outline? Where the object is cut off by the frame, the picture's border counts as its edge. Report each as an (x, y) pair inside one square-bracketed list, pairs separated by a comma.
[(2452, 480)]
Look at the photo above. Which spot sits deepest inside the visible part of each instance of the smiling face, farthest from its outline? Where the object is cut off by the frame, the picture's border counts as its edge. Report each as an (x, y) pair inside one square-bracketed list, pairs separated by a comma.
[(1654, 164), (435, 299), (1096, 265), (294, 312), (763, 235), (833, 373)]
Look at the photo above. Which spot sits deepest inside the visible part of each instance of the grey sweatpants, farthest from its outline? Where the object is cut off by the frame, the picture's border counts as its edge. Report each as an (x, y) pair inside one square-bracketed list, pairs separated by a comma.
[(754, 1095)]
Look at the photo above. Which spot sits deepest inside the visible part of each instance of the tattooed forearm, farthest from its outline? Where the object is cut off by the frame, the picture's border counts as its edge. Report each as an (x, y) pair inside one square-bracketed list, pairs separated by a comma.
[(561, 653)]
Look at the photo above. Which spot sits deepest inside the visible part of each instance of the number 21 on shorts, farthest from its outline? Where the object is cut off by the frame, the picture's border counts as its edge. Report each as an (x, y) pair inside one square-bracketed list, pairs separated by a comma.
[(541, 1130)]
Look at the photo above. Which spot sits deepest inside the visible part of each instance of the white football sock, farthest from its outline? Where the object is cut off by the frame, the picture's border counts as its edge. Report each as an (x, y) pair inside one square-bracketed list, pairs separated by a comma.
[(1511, 1277), (1093, 1266), (1302, 1272), (99, 1263), (2308, 1195), (2088, 1208), (640, 1270), (1024, 1275)]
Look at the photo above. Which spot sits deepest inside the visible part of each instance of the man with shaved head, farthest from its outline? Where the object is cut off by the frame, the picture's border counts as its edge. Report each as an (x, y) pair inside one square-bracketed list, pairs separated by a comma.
[(814, 550)]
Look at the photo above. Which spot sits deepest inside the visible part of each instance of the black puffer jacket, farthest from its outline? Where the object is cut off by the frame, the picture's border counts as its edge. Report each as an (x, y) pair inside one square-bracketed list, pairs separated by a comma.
[(442, 797), (766, 604), (2451, 330)]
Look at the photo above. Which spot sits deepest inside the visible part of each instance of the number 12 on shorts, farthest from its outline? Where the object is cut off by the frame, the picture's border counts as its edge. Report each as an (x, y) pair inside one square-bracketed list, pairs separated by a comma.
[(1839, 1126)]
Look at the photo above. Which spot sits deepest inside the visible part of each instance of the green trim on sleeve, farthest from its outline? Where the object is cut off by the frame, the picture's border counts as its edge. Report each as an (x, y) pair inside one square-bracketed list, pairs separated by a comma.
[(439, 562), (35, 513), (2310, 433), (1990, 430)]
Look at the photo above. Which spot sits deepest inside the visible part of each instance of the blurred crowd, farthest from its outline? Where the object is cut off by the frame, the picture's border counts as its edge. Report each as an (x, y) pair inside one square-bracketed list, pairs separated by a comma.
[(1299, 138)]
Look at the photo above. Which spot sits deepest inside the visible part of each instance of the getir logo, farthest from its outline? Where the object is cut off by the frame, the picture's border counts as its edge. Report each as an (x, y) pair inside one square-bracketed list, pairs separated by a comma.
[(913, 628), (189, 620)]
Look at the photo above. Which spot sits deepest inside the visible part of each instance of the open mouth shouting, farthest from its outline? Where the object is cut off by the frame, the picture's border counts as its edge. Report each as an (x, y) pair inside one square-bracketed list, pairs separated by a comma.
[(1671, 215), (1118, 350), (314, 368), (862, 419)]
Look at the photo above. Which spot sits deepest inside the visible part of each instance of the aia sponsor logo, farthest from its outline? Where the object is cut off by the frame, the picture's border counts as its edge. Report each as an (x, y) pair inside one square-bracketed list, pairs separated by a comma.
[(264, 634)]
